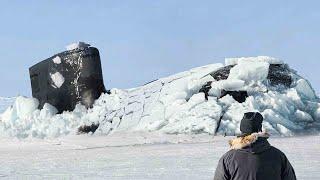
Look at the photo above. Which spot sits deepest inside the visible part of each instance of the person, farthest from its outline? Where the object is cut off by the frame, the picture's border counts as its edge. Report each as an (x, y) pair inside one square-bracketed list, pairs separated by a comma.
[(252, 157)]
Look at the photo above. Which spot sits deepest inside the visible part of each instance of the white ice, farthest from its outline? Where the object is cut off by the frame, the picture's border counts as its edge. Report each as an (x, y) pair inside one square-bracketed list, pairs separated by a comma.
[(57, 79), (249, 71), (57, 60), (267, 59), (77, 45)]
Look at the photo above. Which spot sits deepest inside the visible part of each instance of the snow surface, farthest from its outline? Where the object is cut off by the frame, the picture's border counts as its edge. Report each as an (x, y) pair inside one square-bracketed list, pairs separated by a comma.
[(173, 105), (77, 45), (267, 59), (139, 156), (57, 79)]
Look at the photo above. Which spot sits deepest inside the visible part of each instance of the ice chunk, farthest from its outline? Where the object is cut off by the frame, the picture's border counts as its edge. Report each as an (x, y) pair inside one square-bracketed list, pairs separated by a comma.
[(233, 84), (9, 115), (57, 60), (283, 130), (25, 106), (267, 59), (317, 113), (215, 91), (77, 45), (249, 71), (228, 85), (227, 100), (57, 79), (274, 118), (196, 99), (303, 116), (304, 88), (48, 111)]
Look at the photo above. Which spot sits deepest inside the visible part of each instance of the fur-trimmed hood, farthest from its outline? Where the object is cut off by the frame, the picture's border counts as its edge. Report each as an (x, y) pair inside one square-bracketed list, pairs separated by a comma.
[(242, 142), (250, 158)]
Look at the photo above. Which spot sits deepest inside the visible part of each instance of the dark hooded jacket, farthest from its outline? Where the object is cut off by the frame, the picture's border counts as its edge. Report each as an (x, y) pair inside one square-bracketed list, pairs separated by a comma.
[(253, 158)]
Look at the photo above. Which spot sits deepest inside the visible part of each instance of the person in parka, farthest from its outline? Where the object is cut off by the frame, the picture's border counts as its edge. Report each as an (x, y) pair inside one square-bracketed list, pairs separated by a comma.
[(252, 157)]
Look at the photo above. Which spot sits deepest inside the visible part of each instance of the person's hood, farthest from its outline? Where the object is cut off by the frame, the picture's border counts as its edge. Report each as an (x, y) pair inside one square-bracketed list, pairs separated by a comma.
[(253, 143)]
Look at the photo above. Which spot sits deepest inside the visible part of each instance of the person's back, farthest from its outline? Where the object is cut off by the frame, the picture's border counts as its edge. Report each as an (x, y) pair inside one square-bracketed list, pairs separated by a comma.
[(252, 158)]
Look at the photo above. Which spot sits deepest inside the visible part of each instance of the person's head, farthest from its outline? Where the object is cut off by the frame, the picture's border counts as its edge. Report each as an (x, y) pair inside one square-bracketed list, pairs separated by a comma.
[(251, 123)]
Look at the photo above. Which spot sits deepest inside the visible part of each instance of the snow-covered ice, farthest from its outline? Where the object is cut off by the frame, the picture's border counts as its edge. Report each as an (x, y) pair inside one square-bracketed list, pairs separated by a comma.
[(77, 45), (139, 156), (57, 79), (174, 105), (249, 71), (267, 59)]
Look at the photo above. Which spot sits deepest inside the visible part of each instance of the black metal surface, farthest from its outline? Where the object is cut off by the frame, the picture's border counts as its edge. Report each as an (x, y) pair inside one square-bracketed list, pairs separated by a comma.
[(87, 129), (222, 73), (239, 96), (81, 69), (279, 74), (205, 89)]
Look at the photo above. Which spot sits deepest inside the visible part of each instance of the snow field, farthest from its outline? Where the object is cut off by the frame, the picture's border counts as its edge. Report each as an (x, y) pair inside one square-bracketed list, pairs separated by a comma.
[(140, 156)]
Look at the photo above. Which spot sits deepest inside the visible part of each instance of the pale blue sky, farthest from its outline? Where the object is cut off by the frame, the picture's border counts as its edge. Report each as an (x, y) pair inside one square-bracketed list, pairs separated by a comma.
[(143, 40)]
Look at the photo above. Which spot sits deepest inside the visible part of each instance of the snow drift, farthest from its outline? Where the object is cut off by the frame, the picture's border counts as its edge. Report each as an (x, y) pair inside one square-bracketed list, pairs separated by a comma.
[(178, 104)]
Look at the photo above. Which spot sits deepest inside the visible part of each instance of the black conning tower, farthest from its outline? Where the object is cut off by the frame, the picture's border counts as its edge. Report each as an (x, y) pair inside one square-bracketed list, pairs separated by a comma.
[(80, 70)]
